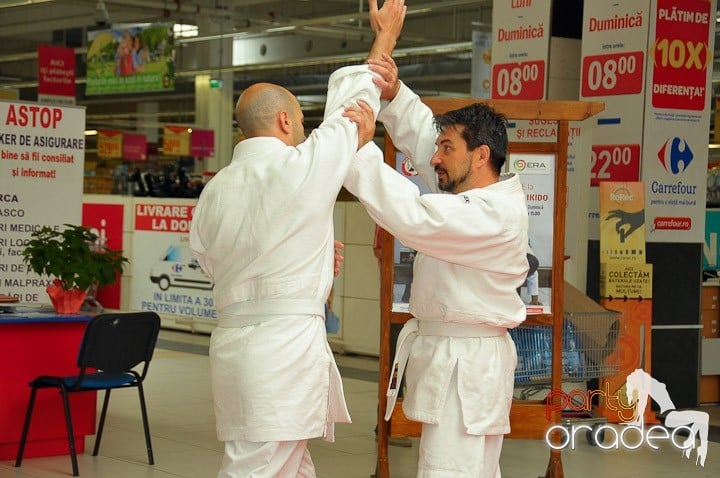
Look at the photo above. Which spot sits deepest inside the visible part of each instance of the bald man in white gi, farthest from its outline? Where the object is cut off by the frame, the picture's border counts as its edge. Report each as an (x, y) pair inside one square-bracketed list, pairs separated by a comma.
[(263, 231), (471, 257)]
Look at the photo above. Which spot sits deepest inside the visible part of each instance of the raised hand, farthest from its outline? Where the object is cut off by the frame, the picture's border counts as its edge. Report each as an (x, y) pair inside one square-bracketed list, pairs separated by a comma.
[(389, 18), (362, 115), (387, 23), (388, 81)]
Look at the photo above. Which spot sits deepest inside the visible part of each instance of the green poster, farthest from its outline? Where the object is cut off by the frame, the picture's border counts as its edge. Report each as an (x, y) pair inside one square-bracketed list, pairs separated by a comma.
[(130, 59)]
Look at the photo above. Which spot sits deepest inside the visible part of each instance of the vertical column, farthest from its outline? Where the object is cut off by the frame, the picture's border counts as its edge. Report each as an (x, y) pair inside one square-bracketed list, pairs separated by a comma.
[(148, 116), (214, 107)]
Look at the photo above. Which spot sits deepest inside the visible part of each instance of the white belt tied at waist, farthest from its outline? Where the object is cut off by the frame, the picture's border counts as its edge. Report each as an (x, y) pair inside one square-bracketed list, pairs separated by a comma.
[(415, 327), (255, 312)]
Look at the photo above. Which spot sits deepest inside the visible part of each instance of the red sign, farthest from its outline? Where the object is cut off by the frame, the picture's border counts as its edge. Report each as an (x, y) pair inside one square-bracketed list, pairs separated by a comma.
[(519, 81), (673, 223), (615, 162), (614, 74), (106, 220), (56, 71), (680, 54), (134, 147), (202, 143), (163, 217)]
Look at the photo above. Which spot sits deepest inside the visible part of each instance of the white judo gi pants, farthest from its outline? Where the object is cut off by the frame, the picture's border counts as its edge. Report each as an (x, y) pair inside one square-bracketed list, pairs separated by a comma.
[(447, 451), (285, 459)]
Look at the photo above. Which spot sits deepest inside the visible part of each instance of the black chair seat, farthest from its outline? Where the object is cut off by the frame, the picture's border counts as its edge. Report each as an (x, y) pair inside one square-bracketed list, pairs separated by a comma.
[(93, 381), (112, 347)]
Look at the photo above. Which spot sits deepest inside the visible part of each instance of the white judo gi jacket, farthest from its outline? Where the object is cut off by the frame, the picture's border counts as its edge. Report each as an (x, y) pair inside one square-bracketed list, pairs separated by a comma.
[(263, 231), (471, 258)]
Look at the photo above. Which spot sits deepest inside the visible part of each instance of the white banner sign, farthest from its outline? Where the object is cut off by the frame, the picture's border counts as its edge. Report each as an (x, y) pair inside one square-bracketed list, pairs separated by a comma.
[(614, 42), (677, 119), (537, 174), (42, 155), (167, 278), (521, 41)]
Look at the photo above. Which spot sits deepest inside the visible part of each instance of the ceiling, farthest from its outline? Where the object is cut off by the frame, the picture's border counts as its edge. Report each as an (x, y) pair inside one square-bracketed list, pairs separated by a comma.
[(295, 43)]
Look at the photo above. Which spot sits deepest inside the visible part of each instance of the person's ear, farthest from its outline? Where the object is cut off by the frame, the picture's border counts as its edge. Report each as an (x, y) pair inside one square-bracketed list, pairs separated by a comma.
[(482, 154), (284, 122)]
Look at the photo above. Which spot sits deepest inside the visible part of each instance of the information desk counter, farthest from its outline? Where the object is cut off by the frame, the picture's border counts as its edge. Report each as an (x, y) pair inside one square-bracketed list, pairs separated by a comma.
[(36, 343)]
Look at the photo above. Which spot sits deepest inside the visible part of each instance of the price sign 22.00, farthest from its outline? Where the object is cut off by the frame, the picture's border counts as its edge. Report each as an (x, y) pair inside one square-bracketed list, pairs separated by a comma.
[(615, 162)]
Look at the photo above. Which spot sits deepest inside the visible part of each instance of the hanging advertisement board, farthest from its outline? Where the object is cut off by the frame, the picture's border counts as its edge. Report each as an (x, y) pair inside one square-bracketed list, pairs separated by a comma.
[(56, 74), (130, 59), (176, 140), (677, 118), (109, 144), (520, 45), (614, 42)]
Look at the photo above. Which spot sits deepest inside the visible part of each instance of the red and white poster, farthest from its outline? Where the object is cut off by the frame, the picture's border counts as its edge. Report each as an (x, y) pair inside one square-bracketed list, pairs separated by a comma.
[(166, 277), (520, 46), (56, 74), (42, 156), (520, 51), (134, 146), (202, 143), (106, 221), (614, 42), (677, 118)]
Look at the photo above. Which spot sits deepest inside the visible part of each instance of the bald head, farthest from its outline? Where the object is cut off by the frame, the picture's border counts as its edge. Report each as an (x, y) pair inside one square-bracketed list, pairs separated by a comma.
[(258, 108)]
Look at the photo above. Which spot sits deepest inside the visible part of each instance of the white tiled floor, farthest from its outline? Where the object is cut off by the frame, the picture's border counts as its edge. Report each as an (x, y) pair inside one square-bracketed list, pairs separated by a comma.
[(182, 426)]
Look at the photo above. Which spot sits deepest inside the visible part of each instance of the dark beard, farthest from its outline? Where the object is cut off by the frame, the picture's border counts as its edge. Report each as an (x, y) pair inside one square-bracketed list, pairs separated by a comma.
[(451, 185)]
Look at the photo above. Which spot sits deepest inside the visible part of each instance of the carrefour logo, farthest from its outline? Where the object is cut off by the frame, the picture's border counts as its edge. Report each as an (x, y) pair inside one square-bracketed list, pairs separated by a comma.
[(177, 268), (675, 155)]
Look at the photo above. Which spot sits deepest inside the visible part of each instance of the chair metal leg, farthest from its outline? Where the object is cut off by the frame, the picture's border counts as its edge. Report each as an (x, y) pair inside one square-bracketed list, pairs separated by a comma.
[(148, 442), (26, 427), (98, 436), (71, 435)]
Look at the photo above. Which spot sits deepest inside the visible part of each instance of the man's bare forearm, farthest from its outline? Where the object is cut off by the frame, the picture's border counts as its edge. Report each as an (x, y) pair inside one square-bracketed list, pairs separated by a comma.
[(387, 24)]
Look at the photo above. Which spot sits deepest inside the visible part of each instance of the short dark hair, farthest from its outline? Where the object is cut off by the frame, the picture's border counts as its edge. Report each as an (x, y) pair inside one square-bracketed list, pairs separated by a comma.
[(481, 125)]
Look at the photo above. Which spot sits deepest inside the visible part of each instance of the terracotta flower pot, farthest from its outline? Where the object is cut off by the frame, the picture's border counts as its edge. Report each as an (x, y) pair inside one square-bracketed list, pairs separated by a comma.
[(65, 301)]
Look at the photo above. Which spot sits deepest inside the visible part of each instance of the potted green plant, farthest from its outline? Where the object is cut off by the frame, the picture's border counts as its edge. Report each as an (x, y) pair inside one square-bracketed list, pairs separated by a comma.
[(75, 260)]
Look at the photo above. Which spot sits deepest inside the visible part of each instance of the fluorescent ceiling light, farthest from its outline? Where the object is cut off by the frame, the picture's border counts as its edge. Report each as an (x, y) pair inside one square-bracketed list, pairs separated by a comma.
[(281, 29), (22, 3), (181, 30)]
